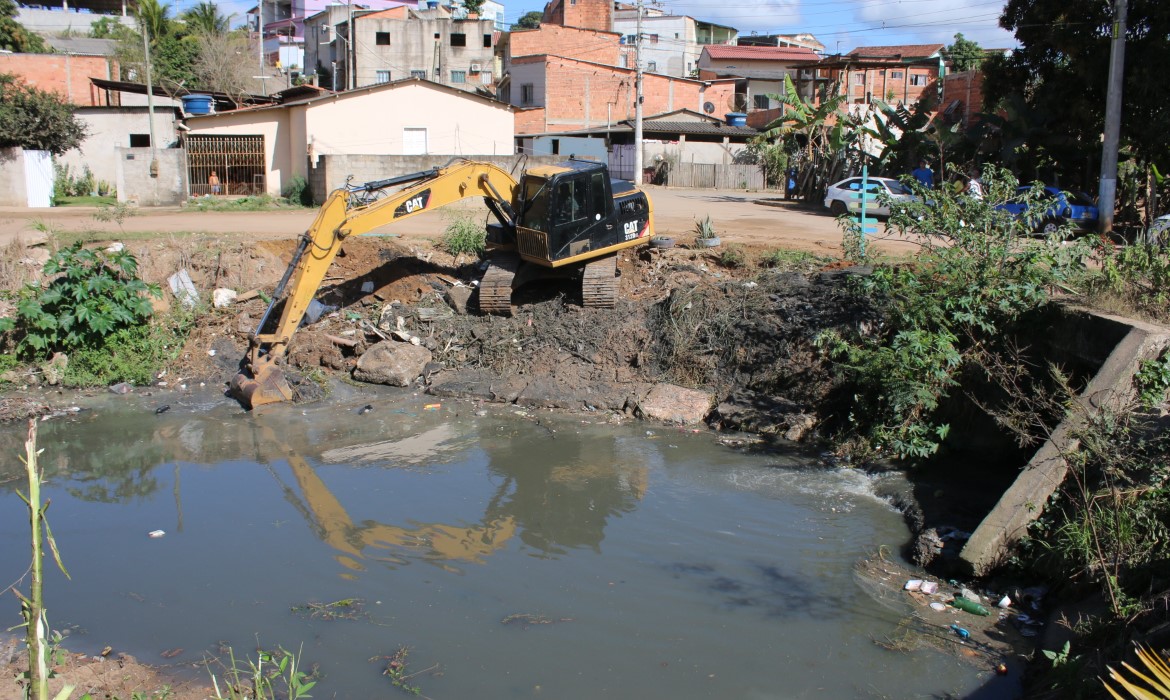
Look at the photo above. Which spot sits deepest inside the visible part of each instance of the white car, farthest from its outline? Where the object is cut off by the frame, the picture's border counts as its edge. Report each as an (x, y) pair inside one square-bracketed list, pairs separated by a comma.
[(840, 197)]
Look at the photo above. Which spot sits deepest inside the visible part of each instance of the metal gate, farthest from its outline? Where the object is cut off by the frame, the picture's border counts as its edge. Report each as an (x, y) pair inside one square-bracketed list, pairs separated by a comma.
[(237, 161), (621, 161)]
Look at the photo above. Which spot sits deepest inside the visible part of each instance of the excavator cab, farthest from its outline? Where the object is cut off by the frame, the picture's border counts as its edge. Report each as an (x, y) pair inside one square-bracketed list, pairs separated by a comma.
[(573, 212)]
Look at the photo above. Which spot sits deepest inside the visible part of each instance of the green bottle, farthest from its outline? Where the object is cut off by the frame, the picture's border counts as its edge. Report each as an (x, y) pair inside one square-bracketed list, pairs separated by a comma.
[(970, 606)]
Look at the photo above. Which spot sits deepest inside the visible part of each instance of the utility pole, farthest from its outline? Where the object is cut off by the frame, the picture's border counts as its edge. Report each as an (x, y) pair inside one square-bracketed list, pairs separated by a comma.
[(638, 100), (260, 35), (1107, 193), (149, 99)]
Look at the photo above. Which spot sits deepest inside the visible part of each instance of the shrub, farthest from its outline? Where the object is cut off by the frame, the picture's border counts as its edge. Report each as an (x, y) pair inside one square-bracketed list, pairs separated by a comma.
[(91, 295), (978, 273), (464, 236), (133, 354), (297, 192), (733, 257)]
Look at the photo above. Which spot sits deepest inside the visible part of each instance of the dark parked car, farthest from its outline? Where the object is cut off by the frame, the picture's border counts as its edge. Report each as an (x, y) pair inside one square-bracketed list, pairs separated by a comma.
[(1074, 208)]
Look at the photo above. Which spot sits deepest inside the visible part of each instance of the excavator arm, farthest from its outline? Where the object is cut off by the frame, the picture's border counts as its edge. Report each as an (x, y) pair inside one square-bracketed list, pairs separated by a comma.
[(349, 212)]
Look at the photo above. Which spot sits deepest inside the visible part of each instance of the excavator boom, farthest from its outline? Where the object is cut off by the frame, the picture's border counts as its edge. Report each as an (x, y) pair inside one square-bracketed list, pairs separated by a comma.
[(349, 212)]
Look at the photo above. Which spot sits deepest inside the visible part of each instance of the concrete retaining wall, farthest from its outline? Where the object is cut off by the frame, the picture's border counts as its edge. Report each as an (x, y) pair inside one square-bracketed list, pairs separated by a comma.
[(1117, 346)]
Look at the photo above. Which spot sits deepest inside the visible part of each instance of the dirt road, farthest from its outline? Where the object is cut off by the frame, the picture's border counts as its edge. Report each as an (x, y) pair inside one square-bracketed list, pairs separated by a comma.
[(756, 219)]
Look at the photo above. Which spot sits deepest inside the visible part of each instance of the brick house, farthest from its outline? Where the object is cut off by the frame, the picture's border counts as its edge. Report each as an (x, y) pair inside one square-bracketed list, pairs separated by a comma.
[(671, 44), (585, 14), (760, 71), (556, 93), (901, 74)]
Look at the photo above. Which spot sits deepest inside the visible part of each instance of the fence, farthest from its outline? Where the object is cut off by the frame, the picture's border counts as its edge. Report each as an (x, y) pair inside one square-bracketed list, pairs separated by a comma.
[(714, 176)]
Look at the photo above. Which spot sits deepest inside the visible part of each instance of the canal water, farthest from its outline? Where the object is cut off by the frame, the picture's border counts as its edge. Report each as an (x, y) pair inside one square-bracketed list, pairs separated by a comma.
[(524, 554)]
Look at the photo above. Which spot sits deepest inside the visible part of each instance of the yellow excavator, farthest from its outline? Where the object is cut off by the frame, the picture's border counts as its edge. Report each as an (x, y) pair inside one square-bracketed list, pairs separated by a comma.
[(568, 217)]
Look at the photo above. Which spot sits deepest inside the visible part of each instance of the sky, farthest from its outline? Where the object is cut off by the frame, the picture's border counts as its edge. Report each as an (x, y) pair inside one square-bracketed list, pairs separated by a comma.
[(853, 23), (841, 25)]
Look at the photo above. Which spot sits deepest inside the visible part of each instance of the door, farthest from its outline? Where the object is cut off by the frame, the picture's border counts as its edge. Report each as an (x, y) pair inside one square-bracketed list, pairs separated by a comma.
[(237, 162), (38, 178), (621, 161), (414, 141)]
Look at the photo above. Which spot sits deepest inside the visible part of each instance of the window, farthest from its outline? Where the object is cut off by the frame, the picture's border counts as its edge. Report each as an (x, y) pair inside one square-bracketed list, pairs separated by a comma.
[(420, 74), (485, 77), (458, 39), (382, 76), (526, 93), (653, 38), (597, 188), (761, 101), (458, 76), (382, 38), (139, 140), (556, 147), (652, 66), (631, 39), (859, 78), (896, 75), (919, 80), (487, 41)]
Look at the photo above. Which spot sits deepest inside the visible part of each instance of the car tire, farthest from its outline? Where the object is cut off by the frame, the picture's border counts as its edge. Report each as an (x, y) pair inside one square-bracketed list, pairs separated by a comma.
[(837, 207), (1049, 226)]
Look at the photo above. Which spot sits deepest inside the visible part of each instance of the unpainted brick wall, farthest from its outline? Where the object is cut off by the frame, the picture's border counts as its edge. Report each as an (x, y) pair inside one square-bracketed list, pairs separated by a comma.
[(967, 87), (66, 75), (587, 14), (585, 44)]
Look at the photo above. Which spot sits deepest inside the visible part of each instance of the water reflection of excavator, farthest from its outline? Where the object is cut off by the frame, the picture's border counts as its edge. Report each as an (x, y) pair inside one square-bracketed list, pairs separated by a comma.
[(551, 509), (568, 217)]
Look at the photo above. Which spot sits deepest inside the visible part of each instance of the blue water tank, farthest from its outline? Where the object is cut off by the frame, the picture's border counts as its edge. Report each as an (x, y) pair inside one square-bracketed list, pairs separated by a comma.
[(197, 104), (736, 119)]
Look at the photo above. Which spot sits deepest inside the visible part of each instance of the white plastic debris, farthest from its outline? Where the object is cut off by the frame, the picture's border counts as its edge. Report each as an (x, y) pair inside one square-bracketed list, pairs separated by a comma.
[(1005, 602), (116, 247), (183, 288), (914, 584), (937, 606), (155, 534), (223, 297), (929, 587)]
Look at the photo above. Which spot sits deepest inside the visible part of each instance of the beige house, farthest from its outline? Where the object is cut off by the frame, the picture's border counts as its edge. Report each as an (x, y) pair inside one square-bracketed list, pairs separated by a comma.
[(261, 149)]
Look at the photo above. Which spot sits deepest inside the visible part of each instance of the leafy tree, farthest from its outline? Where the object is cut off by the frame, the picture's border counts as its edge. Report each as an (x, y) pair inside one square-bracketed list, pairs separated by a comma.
[(13, 35), (964, 54), (529, 20), (107, 28), (205, 18), (1061, 70), (473, 5), (35, 119)]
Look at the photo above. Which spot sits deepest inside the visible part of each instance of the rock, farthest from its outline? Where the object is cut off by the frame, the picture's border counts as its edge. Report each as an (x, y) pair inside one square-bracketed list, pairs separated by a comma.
[(675, 404), (222, 297), (55, 368), (395, 364), (183, 288), (121, 388), (477, 385), (798, 425), (458, 298)]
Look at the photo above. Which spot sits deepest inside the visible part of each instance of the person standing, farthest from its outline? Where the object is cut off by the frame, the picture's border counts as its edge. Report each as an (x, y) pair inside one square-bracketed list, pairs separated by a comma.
[(213, 180), (923, 174), (972, 186)]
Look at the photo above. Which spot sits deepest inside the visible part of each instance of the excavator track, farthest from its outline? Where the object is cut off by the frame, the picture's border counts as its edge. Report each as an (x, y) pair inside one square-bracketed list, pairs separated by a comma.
[(599, 285), (495, 289)]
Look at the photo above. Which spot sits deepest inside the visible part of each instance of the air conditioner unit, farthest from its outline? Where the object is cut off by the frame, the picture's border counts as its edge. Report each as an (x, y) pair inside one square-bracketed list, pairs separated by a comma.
[(475, 67)]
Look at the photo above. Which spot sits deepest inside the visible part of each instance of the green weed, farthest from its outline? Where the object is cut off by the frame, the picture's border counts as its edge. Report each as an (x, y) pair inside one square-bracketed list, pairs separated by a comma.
[(117, 213), (733, 257), (463, 236), (271, 675), (134, 354), (783, 259), (88, 295)]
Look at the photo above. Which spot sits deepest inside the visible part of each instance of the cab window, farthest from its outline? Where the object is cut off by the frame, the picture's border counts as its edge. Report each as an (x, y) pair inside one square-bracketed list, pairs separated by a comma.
[(570, 202)]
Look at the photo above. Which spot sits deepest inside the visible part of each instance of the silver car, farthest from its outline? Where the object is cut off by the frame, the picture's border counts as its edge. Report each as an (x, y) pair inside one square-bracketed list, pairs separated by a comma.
[(841, 197)]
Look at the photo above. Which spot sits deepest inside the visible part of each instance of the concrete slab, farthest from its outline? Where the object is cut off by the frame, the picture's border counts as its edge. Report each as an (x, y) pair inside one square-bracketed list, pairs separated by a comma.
[(1112, 386)]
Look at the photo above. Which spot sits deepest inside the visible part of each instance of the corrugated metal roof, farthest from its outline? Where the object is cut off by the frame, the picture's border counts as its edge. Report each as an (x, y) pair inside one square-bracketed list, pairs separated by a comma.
[(696, 128), (901, 51), (761, 53), (82, 46)]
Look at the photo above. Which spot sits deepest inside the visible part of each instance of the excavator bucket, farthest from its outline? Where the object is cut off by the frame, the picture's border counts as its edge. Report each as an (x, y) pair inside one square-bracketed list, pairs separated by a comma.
[(263, 384)]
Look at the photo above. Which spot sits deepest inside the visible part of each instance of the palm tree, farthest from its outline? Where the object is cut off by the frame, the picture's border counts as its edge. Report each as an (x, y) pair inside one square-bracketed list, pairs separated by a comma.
[(205, 18), (827, 136), (153, 18)]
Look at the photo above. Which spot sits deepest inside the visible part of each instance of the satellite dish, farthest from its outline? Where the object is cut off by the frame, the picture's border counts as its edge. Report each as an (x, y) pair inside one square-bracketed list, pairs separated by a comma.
[(708, 107)]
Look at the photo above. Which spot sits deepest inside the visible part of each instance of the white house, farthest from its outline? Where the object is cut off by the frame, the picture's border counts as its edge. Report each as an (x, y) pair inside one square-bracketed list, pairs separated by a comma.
[(260, 149)]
